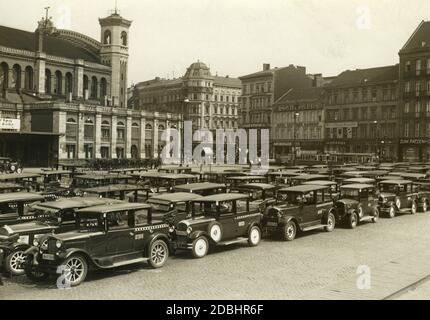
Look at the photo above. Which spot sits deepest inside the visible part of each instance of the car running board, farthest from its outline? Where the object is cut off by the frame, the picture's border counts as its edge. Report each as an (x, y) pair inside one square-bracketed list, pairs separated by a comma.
[(126, 262), (229, 242), (366, 218), (318, 226)]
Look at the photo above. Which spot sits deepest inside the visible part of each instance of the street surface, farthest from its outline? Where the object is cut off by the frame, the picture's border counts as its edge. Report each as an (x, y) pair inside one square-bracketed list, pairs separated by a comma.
[(317, 265)]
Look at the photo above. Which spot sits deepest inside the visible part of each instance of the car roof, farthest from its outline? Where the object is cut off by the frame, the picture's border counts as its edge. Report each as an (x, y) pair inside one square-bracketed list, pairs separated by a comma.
[(20, 196), (176, 197), (310, 176), (284, 172), (114, 187), (76, 202), (221, 197), (199, 186), (320, 183), (357, 186), (247, 178), (54, 172), (121, 206), (7, 185), (360, 180), (94, 176), (395, 182), (261, 186), (413, 175), (177, 176), (303, 188), (12, 176)]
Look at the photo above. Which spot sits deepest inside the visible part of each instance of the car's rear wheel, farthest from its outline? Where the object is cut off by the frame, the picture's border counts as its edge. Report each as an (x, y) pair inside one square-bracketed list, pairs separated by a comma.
[(75, 270), (200, 247), (414, 208), (158, 254), (254, 236), (14, 262), (425, 206), (331, 223), (289, 231), (375, 216), (353, 220), (392, 212)]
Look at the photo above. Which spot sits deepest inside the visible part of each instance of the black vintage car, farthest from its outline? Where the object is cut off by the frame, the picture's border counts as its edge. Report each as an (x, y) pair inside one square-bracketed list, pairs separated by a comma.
[(15, 207), (224, 219), (262, 195), (58, 216), (108, 236), (7, 165), (399, 196), (357, 203), (304, 208)]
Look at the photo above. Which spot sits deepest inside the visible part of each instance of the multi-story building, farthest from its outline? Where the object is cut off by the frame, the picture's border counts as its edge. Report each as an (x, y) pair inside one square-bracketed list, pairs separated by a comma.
[(208, 101), (361, 112), (415, 96), (64, 94), (298, 123)]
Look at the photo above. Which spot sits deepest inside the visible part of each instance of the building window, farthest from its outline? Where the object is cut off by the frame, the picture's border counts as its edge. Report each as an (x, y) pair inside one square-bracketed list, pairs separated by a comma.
[(89, 151), (29, 78), (71, 128), (120, 131), (89, 129), (406, 130), (124, 38), (71, 151), (94, 88), (105, 130), (406, 108), (69, 83), (48, 81), (417, 130), (120, 153), (16, 76), (407, 87), (408, 66), (104, 152), (107, 37), (58, 85), (418, 67)]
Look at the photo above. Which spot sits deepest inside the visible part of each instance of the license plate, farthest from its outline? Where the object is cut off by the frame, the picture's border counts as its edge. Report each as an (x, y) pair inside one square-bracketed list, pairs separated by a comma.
[(48, 256), (272, 224)]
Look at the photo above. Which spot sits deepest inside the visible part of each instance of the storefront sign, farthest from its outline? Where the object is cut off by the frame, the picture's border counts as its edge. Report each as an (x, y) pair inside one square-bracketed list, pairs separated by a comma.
[(416, 141), (10, 124), (342, 125)]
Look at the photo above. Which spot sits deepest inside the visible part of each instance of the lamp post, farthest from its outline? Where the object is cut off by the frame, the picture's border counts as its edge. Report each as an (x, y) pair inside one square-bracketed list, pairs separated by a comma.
[(296, 116)]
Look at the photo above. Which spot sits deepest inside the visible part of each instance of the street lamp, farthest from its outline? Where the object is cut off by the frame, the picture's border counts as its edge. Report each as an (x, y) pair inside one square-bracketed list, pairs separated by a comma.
[(296, 116)]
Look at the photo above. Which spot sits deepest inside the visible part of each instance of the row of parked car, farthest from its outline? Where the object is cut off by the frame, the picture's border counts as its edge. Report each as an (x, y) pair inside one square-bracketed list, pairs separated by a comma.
[(108, 220)]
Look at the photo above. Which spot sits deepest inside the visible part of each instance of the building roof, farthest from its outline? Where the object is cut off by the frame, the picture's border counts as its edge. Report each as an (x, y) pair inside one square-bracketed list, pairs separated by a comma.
[(227, 82), (361, 77), (420, 38), (52, 45), (295, 94)]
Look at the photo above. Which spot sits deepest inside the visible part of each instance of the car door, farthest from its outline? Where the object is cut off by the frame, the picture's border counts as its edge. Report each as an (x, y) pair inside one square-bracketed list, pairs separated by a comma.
[(323, 204), (309, 208), (227, 219), (120, 236)]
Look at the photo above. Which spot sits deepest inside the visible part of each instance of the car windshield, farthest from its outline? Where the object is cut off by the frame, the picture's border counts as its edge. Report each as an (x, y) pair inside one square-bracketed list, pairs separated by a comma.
[(294, 198), (350, 193), (47, 215), (160, 206), (388, 187)]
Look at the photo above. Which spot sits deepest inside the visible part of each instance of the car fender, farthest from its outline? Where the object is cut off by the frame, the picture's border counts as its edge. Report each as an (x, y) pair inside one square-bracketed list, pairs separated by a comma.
[(196, 234), (159, 236), (14, 246), (254, 224), (287, 219), (72, 251)]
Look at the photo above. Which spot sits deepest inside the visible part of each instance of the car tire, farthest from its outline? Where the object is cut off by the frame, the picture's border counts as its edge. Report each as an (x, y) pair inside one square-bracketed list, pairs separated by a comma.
[(392, 212), (200, 247), (331, 223), (158, 254), (34, 275), (289, 231), (375, 216), (353, 220), (398, 203), (414, 207), (215, 232), (75, 269), (19, 170), (254, 236), (14, 262)]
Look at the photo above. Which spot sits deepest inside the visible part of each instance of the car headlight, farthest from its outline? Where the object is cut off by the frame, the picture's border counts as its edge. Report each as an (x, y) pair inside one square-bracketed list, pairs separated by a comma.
[(172, 229), (35, 242), (189, 230), (45, 245), (58, 244)]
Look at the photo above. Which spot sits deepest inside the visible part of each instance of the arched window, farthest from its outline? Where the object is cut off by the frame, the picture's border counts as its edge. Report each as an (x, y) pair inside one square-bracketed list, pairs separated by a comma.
[(94, 88), (105, 123), (48, 76), (17, 76), (161, 127), (71, 120), (86, 86), (29, 78), (120, 131), (69, 83), (120, 124), (148, 127), (107, 37), (124, 38), (134, 152), (135, 125), (105, 129), (103, 87), (4, 75), (58, 85)]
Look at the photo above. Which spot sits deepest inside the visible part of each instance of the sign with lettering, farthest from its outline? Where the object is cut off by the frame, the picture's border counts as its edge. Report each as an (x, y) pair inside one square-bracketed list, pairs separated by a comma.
[(415, 141), (10, 124)]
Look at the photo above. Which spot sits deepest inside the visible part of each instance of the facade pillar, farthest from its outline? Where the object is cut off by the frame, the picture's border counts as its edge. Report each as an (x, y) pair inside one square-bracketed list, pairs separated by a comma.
[(98, 136), (142, 137), (60, 119), (114, 135), (39, 73), (128, 137), (78, 79), (80, 142), (155, 136)]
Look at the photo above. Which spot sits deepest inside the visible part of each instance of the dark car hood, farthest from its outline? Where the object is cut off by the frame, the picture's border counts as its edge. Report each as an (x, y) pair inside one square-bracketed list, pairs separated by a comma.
[(28, 227), (347, 201), (387, 195)]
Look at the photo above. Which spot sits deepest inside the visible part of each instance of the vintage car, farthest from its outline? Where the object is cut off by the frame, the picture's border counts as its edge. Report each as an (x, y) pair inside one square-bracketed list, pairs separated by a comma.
[(302, 178), (224, 219), (399, 196), (304, 208), (175, 170), (202, 188), (359, 181), (235, 182), (92, 180), (58, 216), (27, 180), (167, 182), (282, 177), (357, 203), (108, 236), (332, 185), (128, 192), (262, 195), (9, 166), (7, 187), (15, 207)]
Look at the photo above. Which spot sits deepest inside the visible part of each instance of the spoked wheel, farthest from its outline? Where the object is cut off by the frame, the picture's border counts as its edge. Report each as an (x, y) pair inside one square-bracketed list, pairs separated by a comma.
[(375, 216), (159, 253), (331, 223), (254, 237), (289, 231), (75, 270), (353, 220), (14, 262), (414, 208), (425, 206), (392, 212), (200, 247)]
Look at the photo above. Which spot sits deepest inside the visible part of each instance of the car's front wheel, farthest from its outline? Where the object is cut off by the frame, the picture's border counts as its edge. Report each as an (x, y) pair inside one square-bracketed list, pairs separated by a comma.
[(200, 247), (289, 231), (331, 223), (425, 206), (158, 254), (375, 216), (14, 262), (254, 236), (353, 220), (392, 212), (414, 208), (74, 270)]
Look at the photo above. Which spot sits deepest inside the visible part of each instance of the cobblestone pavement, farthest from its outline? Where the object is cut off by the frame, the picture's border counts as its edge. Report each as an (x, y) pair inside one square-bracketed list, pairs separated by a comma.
[(317, 265)]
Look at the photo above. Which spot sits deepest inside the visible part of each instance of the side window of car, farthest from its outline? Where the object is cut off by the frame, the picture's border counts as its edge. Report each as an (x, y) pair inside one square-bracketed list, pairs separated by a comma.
[(140, 217), (6, 208), (226, 208), (309, 198), (320, 196), (117, 220), (68, 216)]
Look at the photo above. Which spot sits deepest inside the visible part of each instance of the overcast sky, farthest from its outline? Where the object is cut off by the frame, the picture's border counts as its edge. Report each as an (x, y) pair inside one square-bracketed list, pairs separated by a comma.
[(236, 37)]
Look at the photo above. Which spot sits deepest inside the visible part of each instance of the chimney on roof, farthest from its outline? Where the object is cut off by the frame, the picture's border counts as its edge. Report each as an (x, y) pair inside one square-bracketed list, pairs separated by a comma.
[(266, 66)]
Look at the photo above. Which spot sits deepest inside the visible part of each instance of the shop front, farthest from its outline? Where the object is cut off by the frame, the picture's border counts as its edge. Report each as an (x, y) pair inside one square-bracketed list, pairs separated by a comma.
[(415, 149)]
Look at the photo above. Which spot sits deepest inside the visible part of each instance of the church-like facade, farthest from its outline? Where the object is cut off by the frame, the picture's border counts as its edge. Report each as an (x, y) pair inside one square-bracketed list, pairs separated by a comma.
[(63, 95)]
